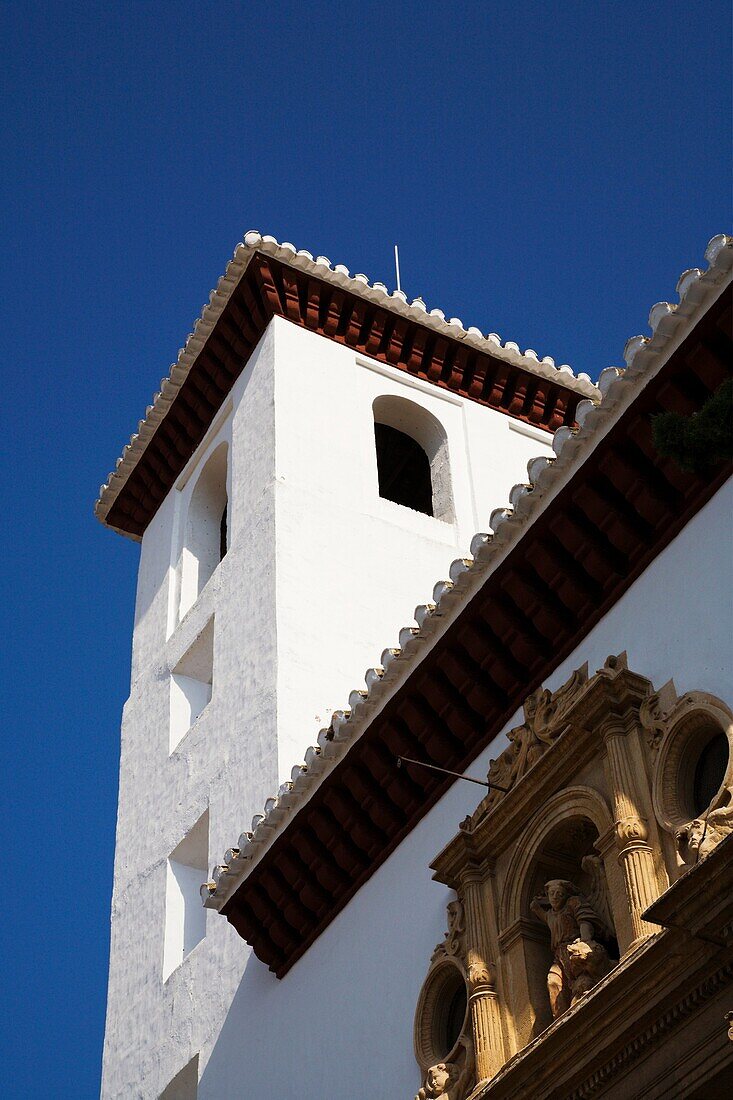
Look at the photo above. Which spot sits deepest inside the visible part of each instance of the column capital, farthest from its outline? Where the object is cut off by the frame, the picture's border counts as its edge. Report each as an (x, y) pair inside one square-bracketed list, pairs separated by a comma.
[(614, 726), (631, 832), (481, 978), (475, 872)]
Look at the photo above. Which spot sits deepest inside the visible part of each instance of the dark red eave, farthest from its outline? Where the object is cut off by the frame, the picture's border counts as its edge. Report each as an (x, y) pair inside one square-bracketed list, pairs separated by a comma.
[(269, 288), (617, 513)]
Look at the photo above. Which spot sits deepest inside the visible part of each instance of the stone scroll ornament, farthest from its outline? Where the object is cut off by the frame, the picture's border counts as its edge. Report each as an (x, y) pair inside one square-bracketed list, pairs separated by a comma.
[(579, 960), (454, 942)]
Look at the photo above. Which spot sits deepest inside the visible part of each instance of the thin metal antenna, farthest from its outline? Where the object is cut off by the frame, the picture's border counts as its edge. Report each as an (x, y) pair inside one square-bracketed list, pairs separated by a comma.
[(444, 771), (397, 266)]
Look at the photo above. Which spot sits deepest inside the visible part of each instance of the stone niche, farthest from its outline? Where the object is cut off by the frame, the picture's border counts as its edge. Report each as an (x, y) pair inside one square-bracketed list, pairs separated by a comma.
[(606, 794)]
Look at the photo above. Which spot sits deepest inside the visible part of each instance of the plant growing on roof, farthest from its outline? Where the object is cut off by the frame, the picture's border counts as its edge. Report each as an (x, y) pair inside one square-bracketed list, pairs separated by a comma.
[(699, 441)]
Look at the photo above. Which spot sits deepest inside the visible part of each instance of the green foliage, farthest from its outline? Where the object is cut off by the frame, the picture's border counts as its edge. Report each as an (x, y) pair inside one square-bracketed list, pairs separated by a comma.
[(699, 441)]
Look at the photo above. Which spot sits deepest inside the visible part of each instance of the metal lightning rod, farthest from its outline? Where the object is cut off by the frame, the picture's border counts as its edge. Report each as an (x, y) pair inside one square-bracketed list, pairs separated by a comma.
[(456, 775), (397, 266)]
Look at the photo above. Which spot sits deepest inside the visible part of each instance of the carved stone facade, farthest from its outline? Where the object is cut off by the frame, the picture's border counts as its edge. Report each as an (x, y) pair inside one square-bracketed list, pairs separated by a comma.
[(608, 797)]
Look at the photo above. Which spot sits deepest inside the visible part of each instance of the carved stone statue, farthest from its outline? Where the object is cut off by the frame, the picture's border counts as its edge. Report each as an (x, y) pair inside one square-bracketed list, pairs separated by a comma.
[(588, 963), (698, 837), (571, 920), (445, 1081)]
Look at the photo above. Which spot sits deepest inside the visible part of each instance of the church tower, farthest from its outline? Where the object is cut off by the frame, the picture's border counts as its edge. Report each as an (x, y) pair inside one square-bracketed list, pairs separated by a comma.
[(320, 454)]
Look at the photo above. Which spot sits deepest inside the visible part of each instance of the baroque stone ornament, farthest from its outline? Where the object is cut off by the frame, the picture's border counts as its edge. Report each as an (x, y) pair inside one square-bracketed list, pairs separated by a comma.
[(454, 944), (681, 728), (572, 922), (654, 714), (543, 722), (444, 1081), (601, 782), (697, 838), (445, 1054)]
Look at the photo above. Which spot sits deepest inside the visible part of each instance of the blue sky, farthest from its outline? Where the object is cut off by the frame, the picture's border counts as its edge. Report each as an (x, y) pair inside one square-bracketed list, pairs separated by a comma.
[(548, 170)]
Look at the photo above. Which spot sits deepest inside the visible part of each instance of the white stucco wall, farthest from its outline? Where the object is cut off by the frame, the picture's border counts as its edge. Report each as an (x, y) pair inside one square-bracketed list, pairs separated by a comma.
[(351, 566), (226, 760), (340, 1023)]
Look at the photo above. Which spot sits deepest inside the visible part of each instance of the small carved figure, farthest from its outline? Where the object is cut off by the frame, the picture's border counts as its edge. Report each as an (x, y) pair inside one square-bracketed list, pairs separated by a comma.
[(698, 837), (570, 918), (588, 963), (445, 1081)]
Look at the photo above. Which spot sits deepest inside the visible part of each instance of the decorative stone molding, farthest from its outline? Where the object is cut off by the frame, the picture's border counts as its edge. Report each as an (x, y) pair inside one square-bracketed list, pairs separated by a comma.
[(543, 722), (577, 817), (442, 990), (635, 1049), (654, 714), (680, 726), (656, 1018), (453, 945)]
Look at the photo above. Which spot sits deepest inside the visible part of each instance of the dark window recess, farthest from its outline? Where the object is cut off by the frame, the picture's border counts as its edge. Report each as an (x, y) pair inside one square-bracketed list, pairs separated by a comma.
[(223, 534), (709, 772), (454, 1017), (404, 470)]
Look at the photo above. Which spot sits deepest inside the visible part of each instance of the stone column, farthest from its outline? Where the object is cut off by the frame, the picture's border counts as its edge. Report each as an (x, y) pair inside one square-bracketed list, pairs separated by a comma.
[(483, 1000), (631, 829)]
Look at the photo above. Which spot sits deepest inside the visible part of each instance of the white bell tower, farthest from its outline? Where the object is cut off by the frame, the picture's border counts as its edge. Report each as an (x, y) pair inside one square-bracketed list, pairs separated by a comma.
[(287, 532)]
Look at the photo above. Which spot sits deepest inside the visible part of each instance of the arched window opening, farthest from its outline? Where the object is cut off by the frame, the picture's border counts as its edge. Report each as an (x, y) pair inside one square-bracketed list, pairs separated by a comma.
[(206, 531), (403, 469), (412, 458)]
